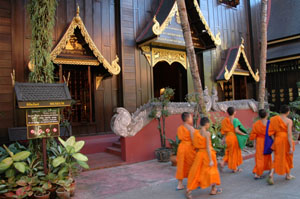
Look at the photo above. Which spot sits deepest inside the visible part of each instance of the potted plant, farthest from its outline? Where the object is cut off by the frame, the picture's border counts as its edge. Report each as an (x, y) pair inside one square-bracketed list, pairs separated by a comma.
[(41, 191), (174, 146), (69, 160), (64, 191), (216, 136), (160, 113)]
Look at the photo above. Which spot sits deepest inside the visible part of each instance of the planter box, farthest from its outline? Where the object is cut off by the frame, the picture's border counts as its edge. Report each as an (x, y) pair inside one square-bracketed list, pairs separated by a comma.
[(20, 133)]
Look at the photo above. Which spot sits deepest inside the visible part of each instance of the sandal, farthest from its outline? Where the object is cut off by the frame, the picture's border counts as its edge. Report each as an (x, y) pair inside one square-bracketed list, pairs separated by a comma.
[(179, 189), (239, 170), (259, 177), (270, 180), (217, 191), (188, 194), (290, 177)]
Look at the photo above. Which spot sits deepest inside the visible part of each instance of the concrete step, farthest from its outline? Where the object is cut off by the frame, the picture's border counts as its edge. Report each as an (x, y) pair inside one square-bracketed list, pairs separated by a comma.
[(117, 144), (114, 150), (98, 143)]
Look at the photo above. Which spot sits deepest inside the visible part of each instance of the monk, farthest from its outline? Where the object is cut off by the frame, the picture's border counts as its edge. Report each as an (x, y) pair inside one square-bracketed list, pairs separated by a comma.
[(283, 145), (258, 133), (186, 151), (233, 153), (204, 171)]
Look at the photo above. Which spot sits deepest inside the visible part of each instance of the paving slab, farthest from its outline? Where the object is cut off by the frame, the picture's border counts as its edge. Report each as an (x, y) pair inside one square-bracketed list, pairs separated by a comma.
[(153, 180)]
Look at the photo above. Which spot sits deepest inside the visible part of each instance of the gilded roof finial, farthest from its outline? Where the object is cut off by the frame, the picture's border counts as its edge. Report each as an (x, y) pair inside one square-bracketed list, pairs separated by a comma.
[(243, 41), (77, 11)]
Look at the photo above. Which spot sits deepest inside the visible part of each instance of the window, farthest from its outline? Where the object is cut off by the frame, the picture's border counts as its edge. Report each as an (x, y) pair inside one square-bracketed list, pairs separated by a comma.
[(232, 3)]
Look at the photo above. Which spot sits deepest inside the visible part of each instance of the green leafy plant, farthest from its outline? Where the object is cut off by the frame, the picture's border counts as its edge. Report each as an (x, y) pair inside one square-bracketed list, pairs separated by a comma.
[(160, 113), (14, 162), (174, 145), (216, 136), (42, 20), (69, 159)]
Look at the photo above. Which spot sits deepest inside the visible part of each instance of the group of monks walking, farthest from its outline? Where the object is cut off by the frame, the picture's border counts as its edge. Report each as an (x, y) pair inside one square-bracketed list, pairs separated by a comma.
[(197, 160)]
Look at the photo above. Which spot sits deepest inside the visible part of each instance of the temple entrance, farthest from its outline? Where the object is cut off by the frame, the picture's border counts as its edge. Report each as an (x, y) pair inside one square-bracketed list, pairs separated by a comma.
[(240, 87), (81, 86), (173, 76)]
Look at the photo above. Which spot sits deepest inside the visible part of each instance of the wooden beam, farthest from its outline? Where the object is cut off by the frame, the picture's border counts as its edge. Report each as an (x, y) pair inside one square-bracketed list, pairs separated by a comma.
[(90, 93)]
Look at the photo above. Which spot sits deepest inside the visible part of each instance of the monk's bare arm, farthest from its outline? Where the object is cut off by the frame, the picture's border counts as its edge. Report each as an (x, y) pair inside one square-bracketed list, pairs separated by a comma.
[(191, 129), (290, 135), (237, 130), (207, 136)]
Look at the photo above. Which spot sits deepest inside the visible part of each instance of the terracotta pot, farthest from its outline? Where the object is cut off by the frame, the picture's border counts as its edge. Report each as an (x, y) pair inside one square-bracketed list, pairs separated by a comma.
[(45, 196), (72, 189), (53, 192), (173, 160), (163, 154), (62, 193)]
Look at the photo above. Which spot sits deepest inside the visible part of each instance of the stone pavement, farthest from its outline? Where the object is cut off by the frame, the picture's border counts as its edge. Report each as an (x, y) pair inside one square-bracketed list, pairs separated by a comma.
[(152, 180)]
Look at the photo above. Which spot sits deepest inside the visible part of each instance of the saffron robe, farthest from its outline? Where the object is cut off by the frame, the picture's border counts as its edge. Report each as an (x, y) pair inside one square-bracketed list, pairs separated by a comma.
[(262, 162), (185, 152), (233, 153), (201, 174), (283, 161)]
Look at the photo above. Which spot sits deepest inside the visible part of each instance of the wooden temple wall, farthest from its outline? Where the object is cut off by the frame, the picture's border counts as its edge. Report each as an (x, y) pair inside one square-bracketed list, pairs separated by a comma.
[(136, 71), (232, 23), (6, 65), (15, 34)]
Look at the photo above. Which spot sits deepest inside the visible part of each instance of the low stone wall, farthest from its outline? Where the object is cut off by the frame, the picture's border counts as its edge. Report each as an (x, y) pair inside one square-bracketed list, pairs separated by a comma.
[(127, 125)]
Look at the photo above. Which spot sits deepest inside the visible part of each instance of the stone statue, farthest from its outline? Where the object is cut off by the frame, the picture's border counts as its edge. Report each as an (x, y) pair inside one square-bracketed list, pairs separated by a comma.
[(123, 124), (207, 99), (214, 99)]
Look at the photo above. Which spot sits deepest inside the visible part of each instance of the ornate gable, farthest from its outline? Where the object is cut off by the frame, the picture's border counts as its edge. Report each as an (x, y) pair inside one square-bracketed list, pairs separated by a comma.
[(77, 48), (236, 64)]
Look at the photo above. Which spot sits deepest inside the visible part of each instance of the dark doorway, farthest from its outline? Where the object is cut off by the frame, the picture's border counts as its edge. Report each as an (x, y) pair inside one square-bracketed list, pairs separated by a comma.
[(172, 76), (240, 87)]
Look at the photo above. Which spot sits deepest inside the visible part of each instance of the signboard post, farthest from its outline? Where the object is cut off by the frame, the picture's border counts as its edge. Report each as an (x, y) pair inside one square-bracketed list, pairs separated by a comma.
[(42, 102)]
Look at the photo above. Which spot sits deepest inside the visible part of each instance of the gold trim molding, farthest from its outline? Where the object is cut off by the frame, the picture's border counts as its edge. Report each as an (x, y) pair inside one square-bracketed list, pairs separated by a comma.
[(76, 62), (283, 59), (77, 22), (157, 28), (169, 56), (240, 52), (217, 39)]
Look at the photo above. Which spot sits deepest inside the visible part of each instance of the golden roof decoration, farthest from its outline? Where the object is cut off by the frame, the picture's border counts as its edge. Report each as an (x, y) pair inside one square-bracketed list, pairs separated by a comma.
[(159, 28), (77, 22), (217, 38), (231, 66)]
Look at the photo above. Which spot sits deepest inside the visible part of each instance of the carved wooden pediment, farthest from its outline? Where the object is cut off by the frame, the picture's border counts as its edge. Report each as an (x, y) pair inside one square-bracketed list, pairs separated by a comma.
[(76, 47)]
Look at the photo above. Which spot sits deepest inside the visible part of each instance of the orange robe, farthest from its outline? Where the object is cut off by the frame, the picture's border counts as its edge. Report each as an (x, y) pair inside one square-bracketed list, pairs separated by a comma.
[(233, 153), (201, 174), (283, 161), (185, 153), (262, 162)]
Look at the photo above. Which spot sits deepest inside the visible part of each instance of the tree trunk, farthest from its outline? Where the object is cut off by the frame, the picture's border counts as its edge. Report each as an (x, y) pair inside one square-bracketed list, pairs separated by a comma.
[(263, 54), (190, 51)]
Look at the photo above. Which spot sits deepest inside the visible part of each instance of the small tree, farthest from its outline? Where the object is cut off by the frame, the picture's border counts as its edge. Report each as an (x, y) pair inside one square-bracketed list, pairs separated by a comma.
[(187, 34), (160, 113), (263, 54)]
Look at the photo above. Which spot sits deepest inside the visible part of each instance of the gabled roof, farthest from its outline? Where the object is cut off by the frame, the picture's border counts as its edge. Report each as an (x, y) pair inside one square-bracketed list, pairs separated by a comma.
[(33, 95), (165, 14), (284, 51), (284, 19), (76, 24), (235, 56)]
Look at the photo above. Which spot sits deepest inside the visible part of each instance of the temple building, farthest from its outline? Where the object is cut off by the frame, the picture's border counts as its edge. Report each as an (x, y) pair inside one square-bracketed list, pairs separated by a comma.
[(283, 55), (114, 53)]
